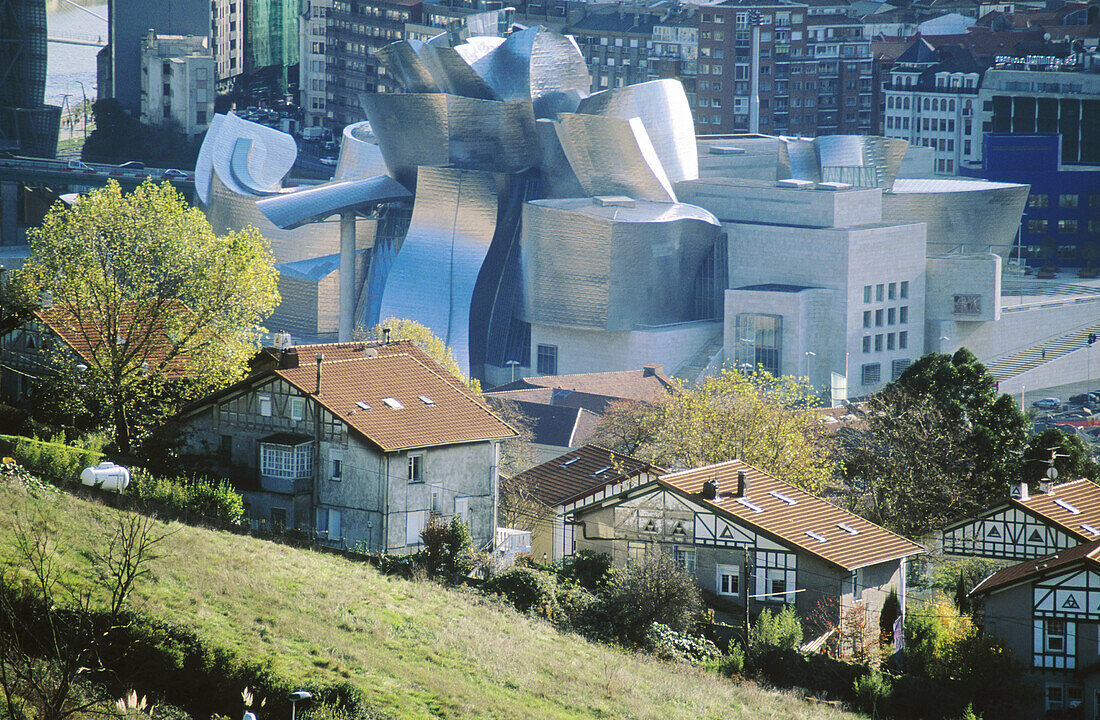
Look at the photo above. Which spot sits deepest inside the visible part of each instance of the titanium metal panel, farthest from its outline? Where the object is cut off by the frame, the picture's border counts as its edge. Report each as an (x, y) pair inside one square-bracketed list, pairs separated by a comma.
[(962, 215), (433, 278), (477, 49), (360, 155), (402, 61), (663, 108), (264, 162), (437, 130), (880, 157), (290, 210), (558, 178), (539, 66), (454, 75), (612, 268), (611, 156), (804, 161)]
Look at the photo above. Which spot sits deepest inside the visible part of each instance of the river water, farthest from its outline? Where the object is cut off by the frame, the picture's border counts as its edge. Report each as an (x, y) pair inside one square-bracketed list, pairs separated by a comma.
[(71, 65)]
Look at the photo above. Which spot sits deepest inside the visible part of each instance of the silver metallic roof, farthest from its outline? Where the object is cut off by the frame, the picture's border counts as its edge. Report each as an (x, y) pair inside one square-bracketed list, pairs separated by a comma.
[(294, 209)]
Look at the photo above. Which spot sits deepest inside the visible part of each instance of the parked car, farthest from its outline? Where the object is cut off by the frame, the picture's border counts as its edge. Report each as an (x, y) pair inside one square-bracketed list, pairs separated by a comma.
[(133, 165), (172, 174), (77, 165), (328, 161), (1049, 403)]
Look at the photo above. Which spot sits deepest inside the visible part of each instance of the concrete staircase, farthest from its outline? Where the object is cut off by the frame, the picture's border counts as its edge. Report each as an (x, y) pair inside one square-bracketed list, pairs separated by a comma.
[(1041, 352), (692, 369)]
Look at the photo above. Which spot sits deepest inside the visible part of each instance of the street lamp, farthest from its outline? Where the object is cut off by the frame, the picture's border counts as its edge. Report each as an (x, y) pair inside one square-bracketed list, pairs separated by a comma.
[(806, 370), (84, 108), (512, 364), (943, 339), (296, 697)]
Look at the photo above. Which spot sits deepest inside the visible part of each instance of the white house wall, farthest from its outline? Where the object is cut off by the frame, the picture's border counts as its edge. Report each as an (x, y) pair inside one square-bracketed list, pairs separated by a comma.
[(1010, 534)]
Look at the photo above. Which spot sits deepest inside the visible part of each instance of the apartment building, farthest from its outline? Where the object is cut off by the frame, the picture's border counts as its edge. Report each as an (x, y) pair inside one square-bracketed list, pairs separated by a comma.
[(227, 39), (177, 82), (616, 46), (930, 100), (313, 59)]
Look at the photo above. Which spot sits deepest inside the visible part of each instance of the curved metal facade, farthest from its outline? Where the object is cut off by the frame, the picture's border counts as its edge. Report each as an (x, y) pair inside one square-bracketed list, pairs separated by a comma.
[(612, 268), (247, 157), (962, 215), (432, 280), (360, 155), (312, 204), (665, 113)]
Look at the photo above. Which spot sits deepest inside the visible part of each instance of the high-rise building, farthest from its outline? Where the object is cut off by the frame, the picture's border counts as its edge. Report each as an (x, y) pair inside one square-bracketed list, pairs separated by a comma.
[(227, 39), (271, 40), (177, 82), (119, 72), (616, 46), (312, 60), (26, 124)]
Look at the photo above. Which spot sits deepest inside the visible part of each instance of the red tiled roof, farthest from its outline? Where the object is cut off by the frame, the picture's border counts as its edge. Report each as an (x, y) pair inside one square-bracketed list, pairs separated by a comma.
[(577, 473), (411, 403), (1029, 570), (1081, 495), (648, 384), (86, 339), (789, 522)]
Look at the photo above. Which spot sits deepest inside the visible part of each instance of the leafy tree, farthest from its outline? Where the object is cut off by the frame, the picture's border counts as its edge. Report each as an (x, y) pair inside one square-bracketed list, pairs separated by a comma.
[(1069, 455), (782, 629), (762, 419), (653, 589), (156, 295), (939, 442), (423, 338)]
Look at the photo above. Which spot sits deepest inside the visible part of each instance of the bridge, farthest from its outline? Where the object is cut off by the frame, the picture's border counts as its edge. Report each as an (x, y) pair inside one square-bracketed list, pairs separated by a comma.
[(51, 178), (74, 39)]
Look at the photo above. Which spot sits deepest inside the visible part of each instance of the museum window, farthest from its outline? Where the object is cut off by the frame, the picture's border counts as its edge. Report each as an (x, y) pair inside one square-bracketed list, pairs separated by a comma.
[(899, 366), (547, 360), (866, 293), (870, 373), (879, 292), (759, 341), (903, 340), (1067, 201), (866, 343), (1036, 200), (878, 318), (878, 343), (1067, 226), (903, 289), (866, 318)]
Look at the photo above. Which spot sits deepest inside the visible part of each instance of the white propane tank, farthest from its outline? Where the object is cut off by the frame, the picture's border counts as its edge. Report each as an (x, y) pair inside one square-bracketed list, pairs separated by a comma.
[(106, 476)]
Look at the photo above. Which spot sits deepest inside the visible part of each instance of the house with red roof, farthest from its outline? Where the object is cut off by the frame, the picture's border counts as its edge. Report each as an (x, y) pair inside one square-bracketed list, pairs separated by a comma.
[(360, 444), (751, 538)]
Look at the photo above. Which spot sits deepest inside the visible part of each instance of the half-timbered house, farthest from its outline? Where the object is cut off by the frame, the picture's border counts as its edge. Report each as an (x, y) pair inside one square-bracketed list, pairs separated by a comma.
[(1029, 524), (1047, 611), (749, 537), (548, 493), (360, 444)]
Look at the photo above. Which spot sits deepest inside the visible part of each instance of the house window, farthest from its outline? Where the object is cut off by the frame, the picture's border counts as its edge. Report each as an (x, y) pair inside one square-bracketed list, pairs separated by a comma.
[(414, 525), (289, 462), (416, 467), (1055, 636), (462, 509), (728, 580), (547, 359), (686, 558), (327, 524), (1055, 643), (775, 575), (635, 551), (336, 461), (225, 450), (278, 518), (870, 373), (265, 405), (297, 407)]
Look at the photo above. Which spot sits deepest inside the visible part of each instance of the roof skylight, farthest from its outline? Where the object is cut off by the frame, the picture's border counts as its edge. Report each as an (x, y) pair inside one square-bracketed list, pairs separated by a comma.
[(426, 400), (393, 403), (817, 536), (750, 506), (569, 462), (1090, 528), (601, 471), (847, 528), (784, 498), (362, 405), (1062, 503)]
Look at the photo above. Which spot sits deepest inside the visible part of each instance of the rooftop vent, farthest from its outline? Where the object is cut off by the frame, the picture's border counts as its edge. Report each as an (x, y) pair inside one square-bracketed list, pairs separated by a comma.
[(371, 352), (751, 506), (834, 186), (393, 403), (1062, 503), (710, 489), (426, 400), (725, 150), (282, 341), (795, 183), (613, 201), (742, 484), (817, 536), (784, 498)]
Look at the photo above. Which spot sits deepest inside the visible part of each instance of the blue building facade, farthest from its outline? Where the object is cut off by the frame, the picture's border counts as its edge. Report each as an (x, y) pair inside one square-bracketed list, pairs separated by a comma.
[(1061, 223)]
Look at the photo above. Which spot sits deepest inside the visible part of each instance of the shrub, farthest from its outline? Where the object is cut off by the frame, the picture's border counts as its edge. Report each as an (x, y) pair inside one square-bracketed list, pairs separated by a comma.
[(667, 644), (582, 611), (872, 692), (588, 569), (781, 630), (448, 548), (734, 661), (213, 500), (50, 460), (528, 589), (654, 589)]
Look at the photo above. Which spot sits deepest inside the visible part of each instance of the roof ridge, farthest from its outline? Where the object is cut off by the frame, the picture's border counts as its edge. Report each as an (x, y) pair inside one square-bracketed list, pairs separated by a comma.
[(677, 473)]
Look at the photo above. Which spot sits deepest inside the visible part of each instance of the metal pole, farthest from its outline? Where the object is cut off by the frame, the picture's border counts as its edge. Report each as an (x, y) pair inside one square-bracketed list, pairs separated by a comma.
[(754, 72), (347, 275)]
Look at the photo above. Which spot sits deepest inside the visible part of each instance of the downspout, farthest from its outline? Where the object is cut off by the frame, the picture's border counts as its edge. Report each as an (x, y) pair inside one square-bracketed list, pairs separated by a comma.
[(384, 546), (313, 499)]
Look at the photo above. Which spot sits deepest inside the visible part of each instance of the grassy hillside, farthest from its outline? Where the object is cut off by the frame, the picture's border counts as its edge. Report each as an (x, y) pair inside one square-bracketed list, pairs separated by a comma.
[(416, 649)]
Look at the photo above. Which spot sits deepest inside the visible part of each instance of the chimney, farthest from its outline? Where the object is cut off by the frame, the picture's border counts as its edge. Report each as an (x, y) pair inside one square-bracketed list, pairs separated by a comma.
[(320, 359), (1021, 491), (653, 370), (742, 484), (1045, 486), (710, 489), (385, 336), (45, 300)]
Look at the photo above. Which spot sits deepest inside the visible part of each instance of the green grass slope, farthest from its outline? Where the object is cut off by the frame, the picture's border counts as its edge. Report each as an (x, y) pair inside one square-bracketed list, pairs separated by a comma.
[(418, 650)]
